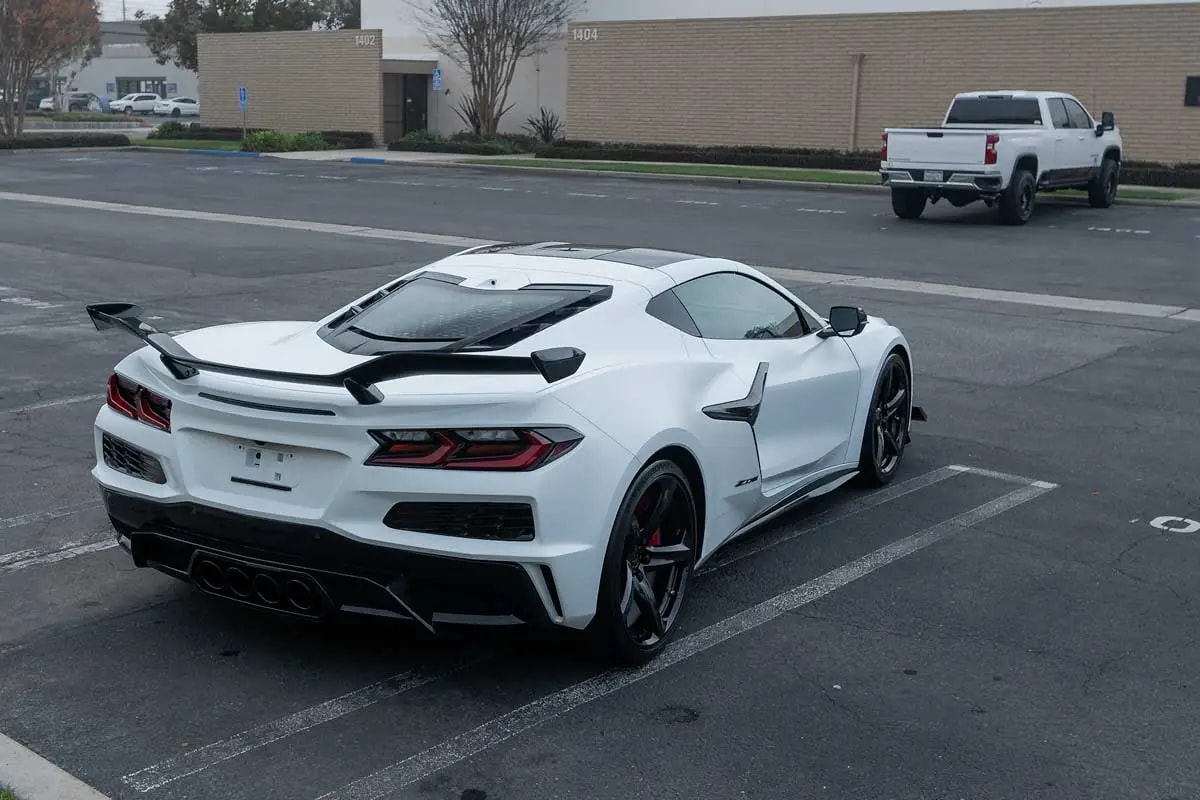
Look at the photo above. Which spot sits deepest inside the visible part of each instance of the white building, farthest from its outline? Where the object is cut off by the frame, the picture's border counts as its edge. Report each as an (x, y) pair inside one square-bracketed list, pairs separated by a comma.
[(126, 65)]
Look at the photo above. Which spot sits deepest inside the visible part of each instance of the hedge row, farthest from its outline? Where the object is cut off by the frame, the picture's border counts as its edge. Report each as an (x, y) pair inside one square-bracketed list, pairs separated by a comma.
[(1142, 173), (37, 141), (334, 140), (734, 155), (465, 143)]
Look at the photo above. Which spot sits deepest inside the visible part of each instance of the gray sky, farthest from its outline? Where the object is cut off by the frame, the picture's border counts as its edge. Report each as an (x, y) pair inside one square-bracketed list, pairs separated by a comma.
[(111, 9)]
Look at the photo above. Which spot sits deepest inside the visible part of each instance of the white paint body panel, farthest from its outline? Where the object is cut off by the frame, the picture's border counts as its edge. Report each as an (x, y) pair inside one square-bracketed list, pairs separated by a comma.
[(641, 388), (962, 146)]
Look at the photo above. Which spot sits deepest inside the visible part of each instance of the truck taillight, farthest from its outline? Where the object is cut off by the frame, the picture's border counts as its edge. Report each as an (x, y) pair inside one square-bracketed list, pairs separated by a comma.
[(883, 148), (989, 148), (137, 402)]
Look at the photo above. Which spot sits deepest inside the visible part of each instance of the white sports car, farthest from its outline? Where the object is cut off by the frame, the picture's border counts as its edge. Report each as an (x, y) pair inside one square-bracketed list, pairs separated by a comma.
[(546, 434)]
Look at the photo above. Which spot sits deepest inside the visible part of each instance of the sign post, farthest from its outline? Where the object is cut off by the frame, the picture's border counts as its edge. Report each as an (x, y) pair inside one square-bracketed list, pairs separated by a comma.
[(437, 91), (242, 103)]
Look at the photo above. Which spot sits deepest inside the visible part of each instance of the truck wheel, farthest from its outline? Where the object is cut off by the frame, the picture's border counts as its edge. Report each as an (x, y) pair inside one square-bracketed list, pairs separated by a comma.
[(1016, 204), (1102, 190), (908, 203)]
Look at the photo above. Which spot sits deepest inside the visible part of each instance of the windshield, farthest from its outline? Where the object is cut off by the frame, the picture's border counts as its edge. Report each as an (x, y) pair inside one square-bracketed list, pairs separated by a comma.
[(430, 310), (994, 111)]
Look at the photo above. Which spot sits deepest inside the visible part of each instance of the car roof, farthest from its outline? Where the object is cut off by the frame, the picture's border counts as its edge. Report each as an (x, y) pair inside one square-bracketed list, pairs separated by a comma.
[(650, 267), (1016, 94)]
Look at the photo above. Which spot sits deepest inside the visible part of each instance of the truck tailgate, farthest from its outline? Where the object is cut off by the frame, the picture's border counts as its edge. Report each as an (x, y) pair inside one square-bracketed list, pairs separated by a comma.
[(936, 146)]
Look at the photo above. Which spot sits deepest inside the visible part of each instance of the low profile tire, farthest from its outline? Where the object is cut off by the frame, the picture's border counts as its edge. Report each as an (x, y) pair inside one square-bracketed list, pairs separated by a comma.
[(908, 203), (1102, 190), (175, 112), (647, 566), (1018, 201), (886, 433)]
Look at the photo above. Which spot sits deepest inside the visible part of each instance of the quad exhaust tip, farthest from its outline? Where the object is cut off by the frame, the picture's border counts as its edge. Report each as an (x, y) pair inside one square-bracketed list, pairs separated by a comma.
[(260, 588)]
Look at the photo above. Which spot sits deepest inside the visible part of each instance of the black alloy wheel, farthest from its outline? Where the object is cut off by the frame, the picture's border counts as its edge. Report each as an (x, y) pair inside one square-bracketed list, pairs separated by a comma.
[(886, 432), (648, 565)]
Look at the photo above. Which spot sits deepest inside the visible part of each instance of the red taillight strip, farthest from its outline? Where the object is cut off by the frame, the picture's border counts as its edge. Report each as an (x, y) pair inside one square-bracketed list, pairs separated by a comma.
[(452, 449), (141, 406)]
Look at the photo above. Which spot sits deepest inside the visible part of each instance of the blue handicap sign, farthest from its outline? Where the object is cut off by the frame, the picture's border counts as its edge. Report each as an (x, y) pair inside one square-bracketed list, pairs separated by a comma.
[(437, 79), (242, 96)]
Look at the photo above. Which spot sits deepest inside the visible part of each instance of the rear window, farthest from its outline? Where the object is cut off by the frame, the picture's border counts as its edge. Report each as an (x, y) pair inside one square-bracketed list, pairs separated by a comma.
[(994, 111), (431, 310)]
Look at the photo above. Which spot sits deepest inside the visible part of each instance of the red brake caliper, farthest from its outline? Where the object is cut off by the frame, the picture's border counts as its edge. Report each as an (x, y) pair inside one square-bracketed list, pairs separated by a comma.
[(642, 507)]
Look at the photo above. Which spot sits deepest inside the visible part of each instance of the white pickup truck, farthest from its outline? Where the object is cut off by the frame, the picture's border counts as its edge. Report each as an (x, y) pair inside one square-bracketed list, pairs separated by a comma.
[(1003, 148)]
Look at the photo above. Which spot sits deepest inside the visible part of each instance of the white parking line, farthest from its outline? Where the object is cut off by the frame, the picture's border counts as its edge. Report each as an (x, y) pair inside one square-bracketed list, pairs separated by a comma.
[(62, 401), (500, 729), (991, 295), (202, 758), (813, 523), (46, 516), (238, 219), (72, 550), (1062, 302)]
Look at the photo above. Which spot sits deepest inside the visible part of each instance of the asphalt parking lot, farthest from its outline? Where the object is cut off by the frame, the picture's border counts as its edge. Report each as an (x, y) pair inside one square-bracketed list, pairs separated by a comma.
[(1015, 618)]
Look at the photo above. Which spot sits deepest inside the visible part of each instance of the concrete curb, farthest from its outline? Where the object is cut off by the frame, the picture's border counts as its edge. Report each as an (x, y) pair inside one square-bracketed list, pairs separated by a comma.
[(720, 180), (194, 151), (32, 777)]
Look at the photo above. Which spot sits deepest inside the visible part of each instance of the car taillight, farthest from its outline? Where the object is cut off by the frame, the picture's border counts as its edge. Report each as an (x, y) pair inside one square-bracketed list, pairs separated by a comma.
[(989, 148), (138, 402), (512, 449), (883, 149)]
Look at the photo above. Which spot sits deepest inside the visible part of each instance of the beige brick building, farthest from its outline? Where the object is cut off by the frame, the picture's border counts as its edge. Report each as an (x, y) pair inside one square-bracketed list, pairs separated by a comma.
[(834, 81), (300, 81), (829, 80)]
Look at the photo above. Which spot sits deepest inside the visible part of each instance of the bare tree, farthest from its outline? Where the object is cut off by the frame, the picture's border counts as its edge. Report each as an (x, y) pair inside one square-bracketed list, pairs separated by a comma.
[(38, 36), (488, 39)]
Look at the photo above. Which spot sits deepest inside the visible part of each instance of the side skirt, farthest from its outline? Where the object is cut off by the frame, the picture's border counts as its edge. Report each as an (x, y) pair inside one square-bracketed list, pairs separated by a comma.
[(808, 491)]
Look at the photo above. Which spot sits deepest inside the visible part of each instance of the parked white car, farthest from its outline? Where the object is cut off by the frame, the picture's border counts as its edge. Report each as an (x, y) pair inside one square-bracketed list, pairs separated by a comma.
[(75, 101), (178, 107), (139, 103), (1003, 148)]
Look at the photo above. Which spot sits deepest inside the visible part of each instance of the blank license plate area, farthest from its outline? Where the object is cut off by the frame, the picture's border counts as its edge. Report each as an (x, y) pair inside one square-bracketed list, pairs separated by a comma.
[(264, 465), (935, 175)]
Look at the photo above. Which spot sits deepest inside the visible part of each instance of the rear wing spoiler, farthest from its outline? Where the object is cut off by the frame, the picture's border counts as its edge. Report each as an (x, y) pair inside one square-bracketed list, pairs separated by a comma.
[(553, 364)]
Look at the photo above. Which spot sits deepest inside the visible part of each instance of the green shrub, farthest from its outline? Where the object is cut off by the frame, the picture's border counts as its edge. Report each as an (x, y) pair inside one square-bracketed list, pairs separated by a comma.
[(348, 140), (278, 142), (168, 130), (464, 143), (32, 141)]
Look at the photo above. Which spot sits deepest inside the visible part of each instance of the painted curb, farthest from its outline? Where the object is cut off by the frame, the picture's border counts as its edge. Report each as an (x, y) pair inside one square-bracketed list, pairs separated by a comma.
[(366, 160), (32, 777)]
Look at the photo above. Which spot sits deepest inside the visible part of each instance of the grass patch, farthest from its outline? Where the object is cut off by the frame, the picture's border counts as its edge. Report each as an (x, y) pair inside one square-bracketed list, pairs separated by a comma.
[(776, 174), (6, 794), (192, 144), (700, 170)]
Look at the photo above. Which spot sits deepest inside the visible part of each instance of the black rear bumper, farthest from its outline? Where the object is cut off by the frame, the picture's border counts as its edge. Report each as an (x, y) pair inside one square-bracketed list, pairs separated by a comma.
[(311, 572)]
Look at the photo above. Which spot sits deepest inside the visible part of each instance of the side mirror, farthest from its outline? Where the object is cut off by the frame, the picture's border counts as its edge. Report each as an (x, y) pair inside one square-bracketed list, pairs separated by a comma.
[(1107, 123), (844, 321)]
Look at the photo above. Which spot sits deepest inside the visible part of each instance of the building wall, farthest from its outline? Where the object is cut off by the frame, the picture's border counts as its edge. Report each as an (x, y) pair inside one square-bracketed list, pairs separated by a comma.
[(118, 61), (539, 81), (296, 81), (787, 81)]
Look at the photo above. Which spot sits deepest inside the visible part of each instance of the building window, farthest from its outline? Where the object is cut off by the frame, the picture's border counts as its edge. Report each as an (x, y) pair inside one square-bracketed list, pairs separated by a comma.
[(156, 86), (1192, 92)]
